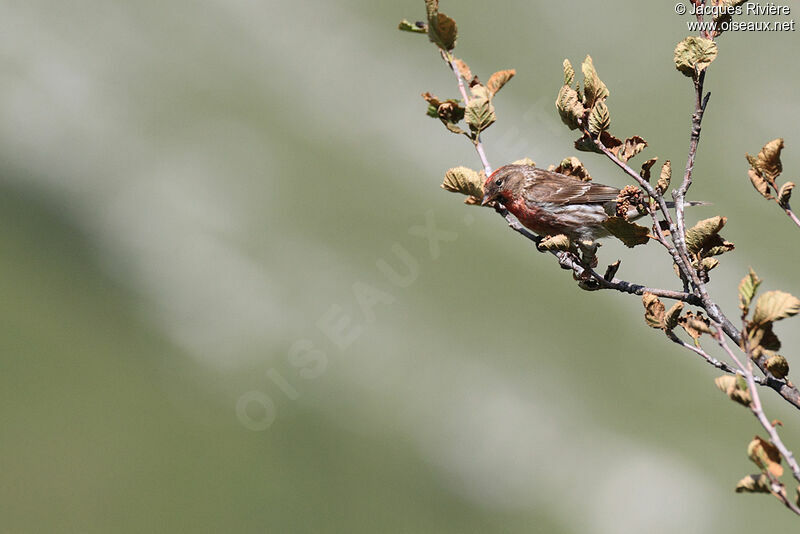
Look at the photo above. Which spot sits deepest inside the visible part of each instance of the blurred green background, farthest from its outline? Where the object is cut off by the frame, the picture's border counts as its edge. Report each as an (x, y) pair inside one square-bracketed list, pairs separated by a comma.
[(190, 187)]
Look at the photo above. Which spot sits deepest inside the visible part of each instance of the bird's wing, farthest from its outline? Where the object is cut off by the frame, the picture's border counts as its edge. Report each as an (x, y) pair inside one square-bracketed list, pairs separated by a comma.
[(545, 187)]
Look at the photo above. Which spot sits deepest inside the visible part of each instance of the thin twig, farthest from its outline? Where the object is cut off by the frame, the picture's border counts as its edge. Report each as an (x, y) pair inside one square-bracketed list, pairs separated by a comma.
[(756, 406), (791, 214)]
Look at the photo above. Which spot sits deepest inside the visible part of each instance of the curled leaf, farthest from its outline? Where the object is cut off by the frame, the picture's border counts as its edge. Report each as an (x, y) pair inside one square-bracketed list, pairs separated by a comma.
[(569, 73), (704, 239), (463, 180), (654, 311), (694, 54), (735, 387), (765, 455), (499, 79), (785, 194), (695, 325), (631, 147), (768, 162), (572, 166), (672, 316), (646, 166), (554, 243), (666, 174), (417, 27), (758, 483), (593, 88), (761, 185), (778, 366), (569, 107)]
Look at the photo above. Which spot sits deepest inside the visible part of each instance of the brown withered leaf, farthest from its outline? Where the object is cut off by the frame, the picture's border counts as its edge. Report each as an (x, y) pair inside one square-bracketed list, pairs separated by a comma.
[(785, 194), (765, 455), (673, 315), (758, 483), (442, 31), (654, 311), (695, 325), (631, 147), (572, 166), (631, 234), (554, 243), (525, 161), (769, 160), (747, 290), (704, 239), (775, 305), (735, 387), (464, 70), (629, 198), (761, 185), (646, 166), (663, 180), (499, 79)]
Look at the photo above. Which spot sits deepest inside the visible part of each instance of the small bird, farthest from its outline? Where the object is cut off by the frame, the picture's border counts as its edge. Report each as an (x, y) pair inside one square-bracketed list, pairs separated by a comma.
[(549, 203)]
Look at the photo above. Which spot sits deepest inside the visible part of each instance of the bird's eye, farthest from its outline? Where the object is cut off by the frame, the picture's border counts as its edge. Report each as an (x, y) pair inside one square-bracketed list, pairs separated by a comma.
[(498, 182)]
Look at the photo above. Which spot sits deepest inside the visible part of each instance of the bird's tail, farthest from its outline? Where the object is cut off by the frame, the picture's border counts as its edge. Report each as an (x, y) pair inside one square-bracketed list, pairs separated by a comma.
[(690, 203)]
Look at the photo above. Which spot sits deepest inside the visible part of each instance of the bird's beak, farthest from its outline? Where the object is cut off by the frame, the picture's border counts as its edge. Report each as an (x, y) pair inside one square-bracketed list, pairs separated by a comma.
[(486, 199)]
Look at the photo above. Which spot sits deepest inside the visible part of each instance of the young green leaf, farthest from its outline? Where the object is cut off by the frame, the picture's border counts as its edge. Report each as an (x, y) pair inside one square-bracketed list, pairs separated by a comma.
[(569, 107), (599, 118), (418, 27), (569, 73), (463, 180), (479, 114), (747, 289), (594, 89)]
